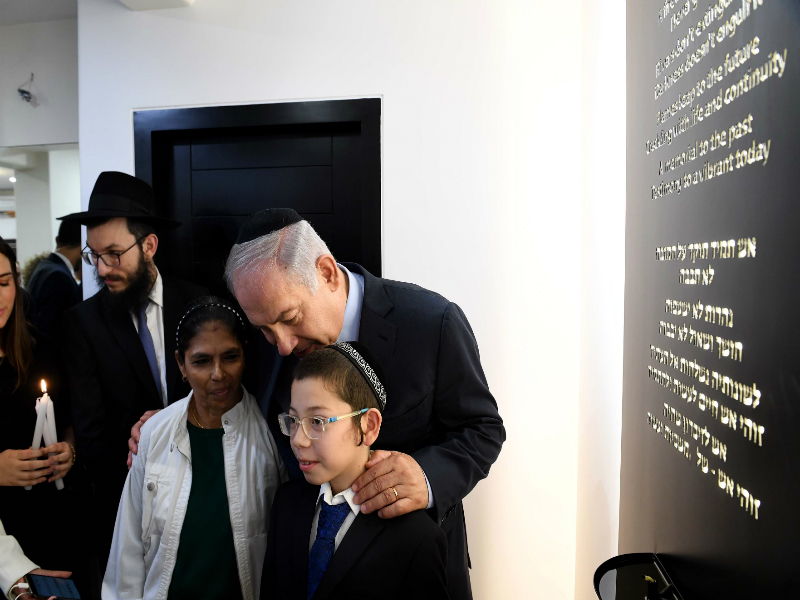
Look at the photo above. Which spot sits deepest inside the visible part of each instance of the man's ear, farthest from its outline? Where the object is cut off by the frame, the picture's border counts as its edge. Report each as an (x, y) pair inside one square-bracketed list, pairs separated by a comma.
[(329, 271), (150, 245), (371, 425)]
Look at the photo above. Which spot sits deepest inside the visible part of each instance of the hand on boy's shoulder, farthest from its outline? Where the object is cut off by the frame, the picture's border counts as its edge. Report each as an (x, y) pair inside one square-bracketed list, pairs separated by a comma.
[(387, 472)]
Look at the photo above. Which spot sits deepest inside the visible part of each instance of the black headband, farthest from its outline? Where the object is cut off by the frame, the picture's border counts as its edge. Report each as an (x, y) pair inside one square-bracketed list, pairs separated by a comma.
[(365, 369), (196, 308)]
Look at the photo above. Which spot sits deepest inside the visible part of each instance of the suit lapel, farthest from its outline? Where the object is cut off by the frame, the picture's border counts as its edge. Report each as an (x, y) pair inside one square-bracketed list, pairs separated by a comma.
[(355, 542), (304, 516), (121, 326), (374, 331), (172, 313)]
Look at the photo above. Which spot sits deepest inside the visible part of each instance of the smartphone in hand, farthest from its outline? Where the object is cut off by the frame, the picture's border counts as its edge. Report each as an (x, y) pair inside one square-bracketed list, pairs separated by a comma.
[(44, 586)]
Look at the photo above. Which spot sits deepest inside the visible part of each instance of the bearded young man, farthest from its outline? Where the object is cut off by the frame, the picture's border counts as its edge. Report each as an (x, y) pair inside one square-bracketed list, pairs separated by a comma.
[(119, 345)]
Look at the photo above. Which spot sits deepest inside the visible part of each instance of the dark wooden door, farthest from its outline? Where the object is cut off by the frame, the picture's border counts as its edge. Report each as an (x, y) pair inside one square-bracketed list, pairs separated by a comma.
[(213, 167)]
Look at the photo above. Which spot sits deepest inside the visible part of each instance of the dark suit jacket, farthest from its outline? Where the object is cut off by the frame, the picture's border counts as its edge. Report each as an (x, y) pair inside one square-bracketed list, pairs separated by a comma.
[(112, 386), (403, 558), (439, 408), (53, 290)]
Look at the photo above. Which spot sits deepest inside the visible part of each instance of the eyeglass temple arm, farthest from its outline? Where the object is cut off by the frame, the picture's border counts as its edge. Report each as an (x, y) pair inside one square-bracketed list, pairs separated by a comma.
[(352, 414)]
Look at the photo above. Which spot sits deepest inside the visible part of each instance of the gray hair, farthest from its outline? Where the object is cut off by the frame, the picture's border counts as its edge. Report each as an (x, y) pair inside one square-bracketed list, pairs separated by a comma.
[(296, 247)]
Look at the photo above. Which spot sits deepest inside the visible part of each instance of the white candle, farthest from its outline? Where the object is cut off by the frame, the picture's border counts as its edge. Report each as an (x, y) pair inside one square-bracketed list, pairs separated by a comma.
[(45, 426), (41, 415), (50, 435)]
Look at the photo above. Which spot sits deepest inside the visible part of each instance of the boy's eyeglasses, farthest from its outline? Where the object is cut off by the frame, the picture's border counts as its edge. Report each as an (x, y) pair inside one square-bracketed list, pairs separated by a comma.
[(313, 427), (110, 259)]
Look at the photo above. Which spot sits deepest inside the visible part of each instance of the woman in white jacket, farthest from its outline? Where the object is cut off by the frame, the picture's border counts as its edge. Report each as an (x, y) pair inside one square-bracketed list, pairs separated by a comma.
[(193, 518)]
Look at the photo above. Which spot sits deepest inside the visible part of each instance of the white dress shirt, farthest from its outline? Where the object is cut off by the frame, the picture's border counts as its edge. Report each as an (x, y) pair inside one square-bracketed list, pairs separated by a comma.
[(154, 500), (13, 563), (326, 495), (349, 333), (70, 266), (154, 313)]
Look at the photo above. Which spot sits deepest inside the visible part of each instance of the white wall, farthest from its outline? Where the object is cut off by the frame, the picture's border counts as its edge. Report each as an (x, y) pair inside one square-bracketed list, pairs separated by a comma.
[(602, 272), (49, 50), (65, 185), (32, 191), (482, 198)]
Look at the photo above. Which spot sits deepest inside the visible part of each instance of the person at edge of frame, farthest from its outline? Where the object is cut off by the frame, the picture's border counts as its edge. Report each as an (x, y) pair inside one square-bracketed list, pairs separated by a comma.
[(52, 286)]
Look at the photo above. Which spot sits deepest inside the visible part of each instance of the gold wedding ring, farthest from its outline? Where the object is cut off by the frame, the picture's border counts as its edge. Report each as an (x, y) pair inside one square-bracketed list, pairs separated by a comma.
[(395, 494)]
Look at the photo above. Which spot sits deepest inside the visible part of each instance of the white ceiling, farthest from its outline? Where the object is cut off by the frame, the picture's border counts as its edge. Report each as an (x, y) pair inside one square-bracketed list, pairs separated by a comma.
[(13, 12)]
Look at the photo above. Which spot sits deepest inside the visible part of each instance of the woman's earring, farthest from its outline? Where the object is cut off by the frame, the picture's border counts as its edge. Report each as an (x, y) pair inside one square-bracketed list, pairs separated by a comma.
[(183, 377)]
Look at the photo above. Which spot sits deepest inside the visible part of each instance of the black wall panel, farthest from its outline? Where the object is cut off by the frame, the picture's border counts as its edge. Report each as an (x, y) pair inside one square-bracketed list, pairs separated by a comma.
[(245, 191), (213, 167), (719, 503)]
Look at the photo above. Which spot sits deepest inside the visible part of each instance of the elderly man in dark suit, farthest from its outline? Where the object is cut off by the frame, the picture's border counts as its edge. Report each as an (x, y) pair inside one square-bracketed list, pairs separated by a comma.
[(52, 286), (441, 433), (119, 345)]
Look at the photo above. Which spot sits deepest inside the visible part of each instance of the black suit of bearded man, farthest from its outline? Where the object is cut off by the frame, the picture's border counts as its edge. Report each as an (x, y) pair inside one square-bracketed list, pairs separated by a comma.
[(439, 409), (112, 386), (54, 290)]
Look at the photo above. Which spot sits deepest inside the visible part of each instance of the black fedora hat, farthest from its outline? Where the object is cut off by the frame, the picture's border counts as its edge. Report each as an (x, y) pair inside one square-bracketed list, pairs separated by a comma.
[(121, 195)]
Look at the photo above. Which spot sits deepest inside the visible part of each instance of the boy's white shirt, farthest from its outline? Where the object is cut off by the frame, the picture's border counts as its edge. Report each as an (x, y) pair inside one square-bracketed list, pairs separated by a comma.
[(326, 495)]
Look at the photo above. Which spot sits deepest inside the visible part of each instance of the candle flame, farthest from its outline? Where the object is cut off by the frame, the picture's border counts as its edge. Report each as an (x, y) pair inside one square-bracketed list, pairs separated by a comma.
[(44, 387)]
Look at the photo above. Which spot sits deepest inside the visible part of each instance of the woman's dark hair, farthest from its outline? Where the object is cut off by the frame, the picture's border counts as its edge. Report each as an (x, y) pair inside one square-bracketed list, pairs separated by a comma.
[(340, 377), (16, 335), (208, 309)]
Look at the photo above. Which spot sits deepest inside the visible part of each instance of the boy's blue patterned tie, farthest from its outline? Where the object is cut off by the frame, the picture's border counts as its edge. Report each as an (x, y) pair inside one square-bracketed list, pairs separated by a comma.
[(330, 520), (149, 348)]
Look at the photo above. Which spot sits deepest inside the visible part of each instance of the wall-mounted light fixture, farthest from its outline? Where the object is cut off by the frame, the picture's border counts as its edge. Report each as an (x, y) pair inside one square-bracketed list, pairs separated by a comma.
[(26, 95)]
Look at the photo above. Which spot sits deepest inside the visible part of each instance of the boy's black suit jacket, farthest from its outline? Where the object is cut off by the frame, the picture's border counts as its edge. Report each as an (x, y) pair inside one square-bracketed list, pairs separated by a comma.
[(403, 558), (112, 386), (439, 408), (54, 290)]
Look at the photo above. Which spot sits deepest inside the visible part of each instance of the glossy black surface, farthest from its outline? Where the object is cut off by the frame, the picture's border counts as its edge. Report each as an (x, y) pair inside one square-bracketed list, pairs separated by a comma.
[(712, 546), (639, 576), (212, 167)]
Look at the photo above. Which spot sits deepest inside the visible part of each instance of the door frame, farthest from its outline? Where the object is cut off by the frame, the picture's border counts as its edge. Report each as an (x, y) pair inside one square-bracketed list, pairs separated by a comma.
[(365, 111)]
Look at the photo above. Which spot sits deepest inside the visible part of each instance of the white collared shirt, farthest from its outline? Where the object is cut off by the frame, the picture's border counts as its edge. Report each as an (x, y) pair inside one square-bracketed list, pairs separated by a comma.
[(154, 500), (326, 495), (70, 266), (154, 313), (352, 310)]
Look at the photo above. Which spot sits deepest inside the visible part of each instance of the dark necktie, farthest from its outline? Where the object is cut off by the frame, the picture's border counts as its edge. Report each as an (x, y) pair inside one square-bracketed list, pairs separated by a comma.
[(149, 348), (330, 520)]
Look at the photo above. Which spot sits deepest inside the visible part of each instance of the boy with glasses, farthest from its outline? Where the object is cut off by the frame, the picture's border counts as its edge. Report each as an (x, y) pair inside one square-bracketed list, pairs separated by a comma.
[(320, 544)]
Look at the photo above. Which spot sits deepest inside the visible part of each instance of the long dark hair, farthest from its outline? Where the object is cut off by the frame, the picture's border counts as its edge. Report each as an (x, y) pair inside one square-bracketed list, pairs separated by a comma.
[(16, 335)]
